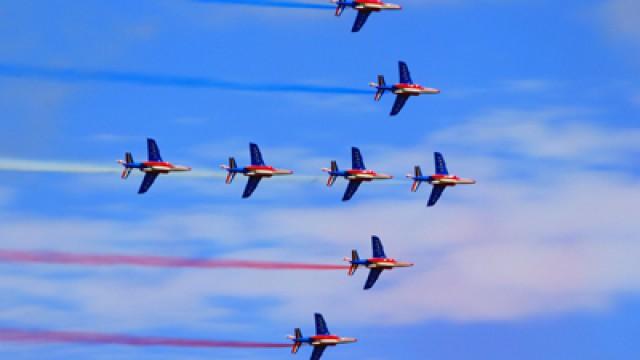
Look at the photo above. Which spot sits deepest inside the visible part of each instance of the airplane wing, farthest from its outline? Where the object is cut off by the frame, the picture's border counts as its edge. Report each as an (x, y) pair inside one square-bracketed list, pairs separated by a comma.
[(357, 162), (252, 184), (405, 75), (321, 325), (153, 150), (256, 155), (435, 194), (378, 250), (441, 166), (399, 104), (351, 189), (148, 180), (317, 352), (374, 274), (360, 20)]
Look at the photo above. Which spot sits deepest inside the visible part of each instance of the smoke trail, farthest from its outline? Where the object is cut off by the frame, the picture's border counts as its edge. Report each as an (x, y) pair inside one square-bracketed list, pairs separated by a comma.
[(60, 258), (43, 336), (66, 167), (271, 4), (68, 75)]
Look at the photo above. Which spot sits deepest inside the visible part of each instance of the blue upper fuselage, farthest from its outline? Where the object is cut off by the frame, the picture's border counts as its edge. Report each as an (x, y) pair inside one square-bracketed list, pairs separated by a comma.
[(242, 170), (423, 178), (135, 165)]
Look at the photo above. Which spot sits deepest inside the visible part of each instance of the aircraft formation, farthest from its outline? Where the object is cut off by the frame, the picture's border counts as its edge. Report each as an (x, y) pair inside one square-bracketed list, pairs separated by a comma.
[(258, 170)]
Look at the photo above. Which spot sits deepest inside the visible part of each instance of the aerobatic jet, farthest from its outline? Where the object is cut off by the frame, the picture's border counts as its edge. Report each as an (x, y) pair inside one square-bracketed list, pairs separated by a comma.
[(256, 171), (403, 90), (320, 341), (356, 175), (152, 168), (378, 263), (364, 8), (440, 180)]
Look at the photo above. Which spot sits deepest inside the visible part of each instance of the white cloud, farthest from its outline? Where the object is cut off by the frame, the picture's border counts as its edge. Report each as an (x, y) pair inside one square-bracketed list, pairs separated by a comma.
[(622, 18), (503, 249)]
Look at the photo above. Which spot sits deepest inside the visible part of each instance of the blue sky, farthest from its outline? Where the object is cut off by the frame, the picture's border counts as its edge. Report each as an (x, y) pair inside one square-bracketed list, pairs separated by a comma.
[(539, 103)]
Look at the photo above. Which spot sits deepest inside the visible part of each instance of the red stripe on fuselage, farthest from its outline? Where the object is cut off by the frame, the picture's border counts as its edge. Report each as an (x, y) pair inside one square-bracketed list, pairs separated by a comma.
[(325, 337), (157, 163), (259, 167), (409, 86)]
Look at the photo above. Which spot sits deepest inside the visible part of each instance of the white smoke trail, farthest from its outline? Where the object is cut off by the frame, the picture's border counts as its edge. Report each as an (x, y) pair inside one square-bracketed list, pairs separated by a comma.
[(69, 167)]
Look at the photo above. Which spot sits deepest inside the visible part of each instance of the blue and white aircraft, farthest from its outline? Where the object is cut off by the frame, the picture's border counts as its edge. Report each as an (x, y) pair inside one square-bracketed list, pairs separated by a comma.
[(403, 90), (364, 8), (378, 263), (320, 341), (440, 180), (256, 171), (356, 175), (152, 168)]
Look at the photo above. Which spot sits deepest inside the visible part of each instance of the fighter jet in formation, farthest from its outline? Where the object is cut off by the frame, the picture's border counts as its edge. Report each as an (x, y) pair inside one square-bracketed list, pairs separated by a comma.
[(403, 90), (440, 180), (378, 263), (364, 8), (152, 168), (320, 341), (256, 171), (356, 175)]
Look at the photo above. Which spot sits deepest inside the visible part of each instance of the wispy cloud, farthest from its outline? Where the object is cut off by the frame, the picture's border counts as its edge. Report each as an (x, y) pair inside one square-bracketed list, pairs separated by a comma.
[(501, 250)]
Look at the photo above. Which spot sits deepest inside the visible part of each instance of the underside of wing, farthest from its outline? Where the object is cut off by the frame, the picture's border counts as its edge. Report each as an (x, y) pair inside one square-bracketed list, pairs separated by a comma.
[(361, 19), (436, 192), (378, 249), (153, 151), (317, 352), (374, 274), (399, 104), (252, 184), (405, 75), (351, 189), (148, 180)]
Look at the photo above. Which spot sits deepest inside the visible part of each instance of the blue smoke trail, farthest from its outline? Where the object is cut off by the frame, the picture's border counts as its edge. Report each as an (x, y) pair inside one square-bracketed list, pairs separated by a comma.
[(272, 4), (82, 76)]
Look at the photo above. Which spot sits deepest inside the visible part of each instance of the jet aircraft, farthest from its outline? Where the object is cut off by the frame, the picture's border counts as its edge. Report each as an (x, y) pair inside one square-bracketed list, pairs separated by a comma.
[(152, 168), (440, 180), (356, 175), (378, 263), (256, 171), (320, 341), (364, 8), (403, 90)]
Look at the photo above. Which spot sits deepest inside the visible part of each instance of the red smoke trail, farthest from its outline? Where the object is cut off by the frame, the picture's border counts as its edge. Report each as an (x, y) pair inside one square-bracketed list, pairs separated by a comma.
[(46, 257), (43, 336)]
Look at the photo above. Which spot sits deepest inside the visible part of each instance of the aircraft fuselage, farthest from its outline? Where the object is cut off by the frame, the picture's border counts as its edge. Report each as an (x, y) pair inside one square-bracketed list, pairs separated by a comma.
[(374, 5), (264, 171), (365, 175), (413, 90), (448, 180), (378, 263), (161, 167), (330, 340)]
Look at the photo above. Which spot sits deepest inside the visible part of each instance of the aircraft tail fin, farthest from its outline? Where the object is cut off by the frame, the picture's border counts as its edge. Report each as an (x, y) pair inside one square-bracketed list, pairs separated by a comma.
[(128, 159), (230, 173), (381, 86), (340, 6), (296, 340), (332, 171), (417, 172), (353, 267)]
